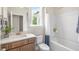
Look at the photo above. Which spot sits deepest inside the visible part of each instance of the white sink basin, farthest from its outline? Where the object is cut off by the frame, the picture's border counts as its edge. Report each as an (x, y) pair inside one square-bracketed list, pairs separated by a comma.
[(18, 36)]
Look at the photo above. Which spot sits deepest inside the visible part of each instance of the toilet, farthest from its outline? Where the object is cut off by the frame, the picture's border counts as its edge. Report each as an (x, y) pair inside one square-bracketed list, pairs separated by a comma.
[(40, 45)]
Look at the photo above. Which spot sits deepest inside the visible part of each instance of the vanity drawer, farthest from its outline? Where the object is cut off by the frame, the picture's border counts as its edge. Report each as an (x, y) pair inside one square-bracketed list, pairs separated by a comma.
[(6, 46), (31, 40), (17, 44), (24, 48), (31, 47), (26, 41), (15, 49)]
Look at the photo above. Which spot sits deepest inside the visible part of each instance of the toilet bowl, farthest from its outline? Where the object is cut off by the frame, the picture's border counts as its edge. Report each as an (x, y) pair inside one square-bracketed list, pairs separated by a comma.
[(40, 45), (43, 47)]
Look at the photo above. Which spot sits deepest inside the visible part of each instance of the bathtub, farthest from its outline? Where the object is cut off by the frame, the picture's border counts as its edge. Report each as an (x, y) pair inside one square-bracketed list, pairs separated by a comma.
[(57, 46)]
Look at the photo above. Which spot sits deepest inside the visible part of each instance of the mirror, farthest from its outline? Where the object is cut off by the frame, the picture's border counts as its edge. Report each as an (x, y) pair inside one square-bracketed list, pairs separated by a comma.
[(17, 23)]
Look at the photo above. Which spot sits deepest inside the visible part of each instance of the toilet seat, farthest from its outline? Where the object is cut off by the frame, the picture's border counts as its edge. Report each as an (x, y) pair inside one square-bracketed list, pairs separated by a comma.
[(43, 47)]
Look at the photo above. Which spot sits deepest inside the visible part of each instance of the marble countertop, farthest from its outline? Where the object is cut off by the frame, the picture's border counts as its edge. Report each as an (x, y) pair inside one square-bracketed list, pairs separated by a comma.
[(16, 38)]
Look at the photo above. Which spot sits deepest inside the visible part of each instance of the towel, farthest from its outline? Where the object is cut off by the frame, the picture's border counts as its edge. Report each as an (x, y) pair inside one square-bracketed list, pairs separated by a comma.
[(47, 39)]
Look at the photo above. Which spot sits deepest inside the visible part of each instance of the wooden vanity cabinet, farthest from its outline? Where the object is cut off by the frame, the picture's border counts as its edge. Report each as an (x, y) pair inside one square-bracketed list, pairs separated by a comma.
[(22, 45)]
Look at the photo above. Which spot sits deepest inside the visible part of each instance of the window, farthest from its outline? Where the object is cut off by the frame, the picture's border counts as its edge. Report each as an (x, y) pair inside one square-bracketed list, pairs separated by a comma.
[(35, 16)]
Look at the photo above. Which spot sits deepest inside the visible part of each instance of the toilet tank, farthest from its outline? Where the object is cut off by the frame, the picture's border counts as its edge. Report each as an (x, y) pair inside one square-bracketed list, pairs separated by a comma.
[(39, 39)]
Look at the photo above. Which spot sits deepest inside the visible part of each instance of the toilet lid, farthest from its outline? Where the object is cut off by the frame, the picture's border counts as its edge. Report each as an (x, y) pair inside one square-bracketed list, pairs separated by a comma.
[(43, 46)]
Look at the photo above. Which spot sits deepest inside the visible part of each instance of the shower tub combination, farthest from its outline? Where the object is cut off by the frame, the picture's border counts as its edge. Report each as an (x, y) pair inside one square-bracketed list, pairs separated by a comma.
[(63, 45)]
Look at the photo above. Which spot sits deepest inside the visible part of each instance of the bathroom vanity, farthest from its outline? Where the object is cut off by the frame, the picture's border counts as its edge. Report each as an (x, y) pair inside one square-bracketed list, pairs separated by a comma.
[(22, 43)]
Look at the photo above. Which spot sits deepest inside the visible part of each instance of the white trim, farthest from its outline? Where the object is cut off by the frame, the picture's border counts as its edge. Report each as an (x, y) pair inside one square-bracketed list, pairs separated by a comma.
[(34, 25)]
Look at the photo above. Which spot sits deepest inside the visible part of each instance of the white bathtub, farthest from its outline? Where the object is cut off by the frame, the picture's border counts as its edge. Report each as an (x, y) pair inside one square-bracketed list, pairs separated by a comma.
[(56, 46)]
